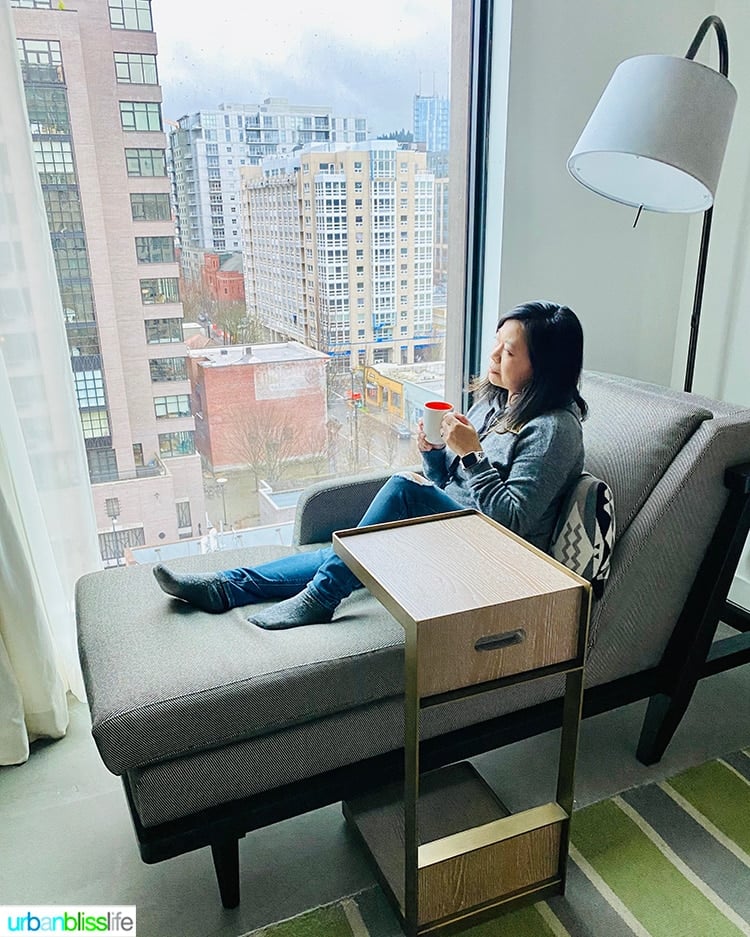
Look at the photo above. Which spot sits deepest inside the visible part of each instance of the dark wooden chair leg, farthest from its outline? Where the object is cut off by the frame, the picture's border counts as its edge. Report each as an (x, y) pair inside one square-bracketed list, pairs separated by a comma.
[(226, 856), (685, 658), (663, 716)]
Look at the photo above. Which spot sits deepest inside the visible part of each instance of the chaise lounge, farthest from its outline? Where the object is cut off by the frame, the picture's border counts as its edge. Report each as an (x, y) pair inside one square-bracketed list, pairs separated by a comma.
[(218, 727)]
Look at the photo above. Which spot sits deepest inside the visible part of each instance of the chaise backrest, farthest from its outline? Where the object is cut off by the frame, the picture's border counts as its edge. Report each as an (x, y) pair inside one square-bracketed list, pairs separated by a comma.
[(632, 434)]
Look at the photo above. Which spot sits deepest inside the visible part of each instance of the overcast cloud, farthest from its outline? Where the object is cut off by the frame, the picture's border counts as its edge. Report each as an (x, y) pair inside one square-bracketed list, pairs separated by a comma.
[(362, 59)]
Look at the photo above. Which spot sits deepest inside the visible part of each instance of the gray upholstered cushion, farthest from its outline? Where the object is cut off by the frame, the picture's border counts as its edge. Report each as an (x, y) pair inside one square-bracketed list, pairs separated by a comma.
[(178, 787), (632, 434), (163, 679)]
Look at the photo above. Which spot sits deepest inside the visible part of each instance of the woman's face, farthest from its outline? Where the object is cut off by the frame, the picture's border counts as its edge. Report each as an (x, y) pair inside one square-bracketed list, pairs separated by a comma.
[(510, 365)]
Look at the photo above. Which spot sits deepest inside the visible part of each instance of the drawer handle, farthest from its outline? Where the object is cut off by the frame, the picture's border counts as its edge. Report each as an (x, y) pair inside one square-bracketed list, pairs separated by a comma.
[(496, 642)]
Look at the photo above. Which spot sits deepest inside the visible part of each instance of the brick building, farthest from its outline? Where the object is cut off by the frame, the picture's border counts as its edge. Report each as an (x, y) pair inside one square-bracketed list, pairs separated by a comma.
[(224, 278), (220, 276), (258, 407)]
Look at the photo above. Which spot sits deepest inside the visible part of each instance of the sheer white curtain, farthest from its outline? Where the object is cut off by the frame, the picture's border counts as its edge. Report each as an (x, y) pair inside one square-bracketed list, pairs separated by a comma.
[(47, 525)]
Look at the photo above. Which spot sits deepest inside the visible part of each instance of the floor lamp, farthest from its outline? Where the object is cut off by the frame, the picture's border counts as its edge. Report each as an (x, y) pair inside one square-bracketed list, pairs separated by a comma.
[(656, 141)]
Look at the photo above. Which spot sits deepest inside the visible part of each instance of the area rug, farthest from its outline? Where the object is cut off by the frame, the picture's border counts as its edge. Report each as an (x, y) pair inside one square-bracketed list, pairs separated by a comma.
[(669, 859)]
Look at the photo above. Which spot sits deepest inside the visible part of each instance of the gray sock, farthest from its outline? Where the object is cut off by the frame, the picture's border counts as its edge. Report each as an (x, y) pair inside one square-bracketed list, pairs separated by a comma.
[(301, 609), (202, 591)]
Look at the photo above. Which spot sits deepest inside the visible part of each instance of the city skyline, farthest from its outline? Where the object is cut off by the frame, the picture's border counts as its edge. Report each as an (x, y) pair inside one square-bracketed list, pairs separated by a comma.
[(372, 66)]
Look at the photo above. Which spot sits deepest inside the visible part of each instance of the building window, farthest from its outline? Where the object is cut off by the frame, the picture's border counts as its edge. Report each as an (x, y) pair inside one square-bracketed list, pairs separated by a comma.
[(102, 465), (172, 407), (131, 14), (155, 250), (94, 423), (112, 545), (41, 60), (140, 115), (89, 386), (54, 162), (183, 514), (172, 445), (47, 108), (136, 68), (162, 331), (145, 162), (32, 4), (150, 206), (160, 290), (168, 369)]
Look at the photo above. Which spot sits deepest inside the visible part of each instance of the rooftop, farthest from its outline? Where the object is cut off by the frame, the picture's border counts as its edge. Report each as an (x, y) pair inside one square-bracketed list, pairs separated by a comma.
[(255, 354), (424, 373)]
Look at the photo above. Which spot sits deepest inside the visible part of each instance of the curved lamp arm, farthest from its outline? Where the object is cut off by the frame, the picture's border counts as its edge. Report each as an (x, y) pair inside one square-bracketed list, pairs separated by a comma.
[(721, 36)]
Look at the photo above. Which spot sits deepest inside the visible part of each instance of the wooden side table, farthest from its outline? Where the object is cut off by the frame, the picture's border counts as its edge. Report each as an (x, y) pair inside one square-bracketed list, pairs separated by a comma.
[(481, 609)]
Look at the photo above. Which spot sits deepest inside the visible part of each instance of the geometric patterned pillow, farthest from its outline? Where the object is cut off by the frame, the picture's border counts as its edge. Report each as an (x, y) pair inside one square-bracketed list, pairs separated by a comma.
[(584, 534)]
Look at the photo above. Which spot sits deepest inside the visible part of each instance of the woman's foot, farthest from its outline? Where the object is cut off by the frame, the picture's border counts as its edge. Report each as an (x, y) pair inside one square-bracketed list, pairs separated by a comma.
[(301, 609), (204, 592)]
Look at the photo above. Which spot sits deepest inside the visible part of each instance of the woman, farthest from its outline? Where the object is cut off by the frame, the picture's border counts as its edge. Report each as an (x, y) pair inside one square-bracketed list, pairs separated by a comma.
[(512, 457)]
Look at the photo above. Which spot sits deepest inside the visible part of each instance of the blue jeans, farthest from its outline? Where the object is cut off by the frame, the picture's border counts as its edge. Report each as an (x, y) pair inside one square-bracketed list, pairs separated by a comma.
[(328, 577)]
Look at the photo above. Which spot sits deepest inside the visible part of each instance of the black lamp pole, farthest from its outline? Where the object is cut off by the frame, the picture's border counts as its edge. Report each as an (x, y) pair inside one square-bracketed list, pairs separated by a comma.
[(721, 35)]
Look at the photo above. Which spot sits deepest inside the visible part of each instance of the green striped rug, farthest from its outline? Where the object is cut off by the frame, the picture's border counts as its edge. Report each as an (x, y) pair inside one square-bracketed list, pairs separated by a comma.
[(670, 859)]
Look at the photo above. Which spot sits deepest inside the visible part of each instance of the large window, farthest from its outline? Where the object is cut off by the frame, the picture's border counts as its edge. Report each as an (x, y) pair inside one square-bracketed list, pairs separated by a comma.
[(130, 14), (145, 162), (54, 161), (47, 107), (136, 68), (162, 331), (89, 389), (140, 115), (168, 369), (41, 60), (155, 250), (160, 290), (172, 445), (168, 408), (292, 223), (150, 206)]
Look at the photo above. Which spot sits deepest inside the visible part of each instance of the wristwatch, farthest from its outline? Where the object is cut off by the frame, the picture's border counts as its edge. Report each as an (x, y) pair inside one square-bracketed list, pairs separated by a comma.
[(471, 458)]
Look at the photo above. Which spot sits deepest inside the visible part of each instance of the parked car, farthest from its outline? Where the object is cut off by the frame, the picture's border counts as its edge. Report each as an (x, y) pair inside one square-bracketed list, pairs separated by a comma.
[(403, 432)]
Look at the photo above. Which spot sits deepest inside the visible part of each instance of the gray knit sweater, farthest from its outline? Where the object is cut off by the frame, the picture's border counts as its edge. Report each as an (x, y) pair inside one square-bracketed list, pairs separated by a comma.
[(524, 475)]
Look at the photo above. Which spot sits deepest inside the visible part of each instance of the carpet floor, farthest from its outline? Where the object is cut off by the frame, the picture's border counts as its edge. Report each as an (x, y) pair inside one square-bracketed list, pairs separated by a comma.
[(669, 859)]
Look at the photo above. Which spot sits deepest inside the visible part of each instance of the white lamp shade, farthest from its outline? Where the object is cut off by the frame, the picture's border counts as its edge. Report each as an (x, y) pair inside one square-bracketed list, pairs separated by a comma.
[(658, 134)]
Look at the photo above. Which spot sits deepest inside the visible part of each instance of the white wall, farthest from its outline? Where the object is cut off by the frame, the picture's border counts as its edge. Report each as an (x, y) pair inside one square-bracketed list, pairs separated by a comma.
[(552, 239), (559, 241)]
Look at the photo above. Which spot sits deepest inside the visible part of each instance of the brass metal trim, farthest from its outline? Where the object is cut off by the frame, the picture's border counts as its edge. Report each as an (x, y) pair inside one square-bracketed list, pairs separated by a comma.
[(496, 832)]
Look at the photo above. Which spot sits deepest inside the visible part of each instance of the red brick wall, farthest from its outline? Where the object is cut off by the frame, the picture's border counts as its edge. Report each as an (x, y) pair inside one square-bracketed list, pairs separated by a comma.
[(229, 286), (237, 422)]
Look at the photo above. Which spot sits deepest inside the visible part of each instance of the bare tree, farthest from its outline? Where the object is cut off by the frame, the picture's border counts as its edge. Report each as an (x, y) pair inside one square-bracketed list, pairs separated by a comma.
[(197, 302), (390, 439), (265, 442), (231, 318)]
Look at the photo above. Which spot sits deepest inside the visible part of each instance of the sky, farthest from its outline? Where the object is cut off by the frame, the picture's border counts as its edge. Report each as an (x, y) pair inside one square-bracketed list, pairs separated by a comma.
[(363, 59)]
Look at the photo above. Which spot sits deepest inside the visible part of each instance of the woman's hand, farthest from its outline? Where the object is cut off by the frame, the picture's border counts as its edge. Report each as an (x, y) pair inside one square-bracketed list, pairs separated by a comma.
[(459, 434), (422, 443)]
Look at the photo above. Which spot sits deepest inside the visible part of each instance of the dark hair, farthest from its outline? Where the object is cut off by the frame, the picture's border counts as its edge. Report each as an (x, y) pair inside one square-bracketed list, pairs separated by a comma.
[(555, 341)]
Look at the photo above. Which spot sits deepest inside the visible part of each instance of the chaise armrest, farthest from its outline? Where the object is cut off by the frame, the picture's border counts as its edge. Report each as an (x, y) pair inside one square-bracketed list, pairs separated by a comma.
[(337, 504)]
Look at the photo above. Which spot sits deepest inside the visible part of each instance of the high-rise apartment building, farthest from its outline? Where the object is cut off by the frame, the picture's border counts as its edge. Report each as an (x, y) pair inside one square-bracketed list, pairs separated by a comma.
[(432, 122), (339, 250), (93, 100), (209, 147)]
